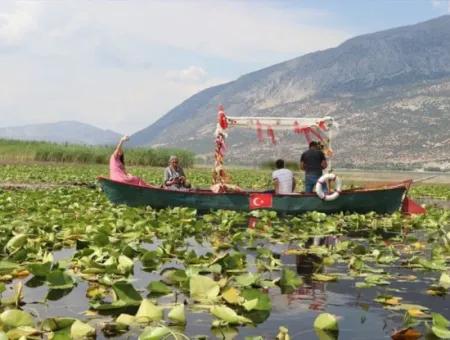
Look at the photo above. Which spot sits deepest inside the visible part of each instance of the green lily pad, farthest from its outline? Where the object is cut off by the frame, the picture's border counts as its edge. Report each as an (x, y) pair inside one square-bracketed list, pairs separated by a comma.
[(81, 330), (158, 288), (203, 288), (40, 269), (263, 299), (289, 280), (444, 281), (16, 242), (148, 312), (177, 314), (228, 315), (154, 333), (59, 279), (13, 318), (326, 322)]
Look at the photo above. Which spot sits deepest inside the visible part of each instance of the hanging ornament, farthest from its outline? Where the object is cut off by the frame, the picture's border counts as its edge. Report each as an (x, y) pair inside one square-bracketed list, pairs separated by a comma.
[(259, 132), (271, 135)]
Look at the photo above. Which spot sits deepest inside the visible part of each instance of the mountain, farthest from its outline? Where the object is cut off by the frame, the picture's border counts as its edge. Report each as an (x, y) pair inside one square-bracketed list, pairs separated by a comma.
[(61, 132), (389, 91)]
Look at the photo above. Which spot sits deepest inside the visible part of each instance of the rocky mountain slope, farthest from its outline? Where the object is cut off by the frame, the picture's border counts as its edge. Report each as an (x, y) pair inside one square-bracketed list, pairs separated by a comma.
[(61, 132), (389, 91)]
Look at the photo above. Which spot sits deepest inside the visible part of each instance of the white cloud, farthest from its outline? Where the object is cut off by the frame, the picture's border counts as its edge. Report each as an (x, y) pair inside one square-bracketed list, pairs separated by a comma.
[(441, 4), (123, 64), (190, 74), (18, 22)]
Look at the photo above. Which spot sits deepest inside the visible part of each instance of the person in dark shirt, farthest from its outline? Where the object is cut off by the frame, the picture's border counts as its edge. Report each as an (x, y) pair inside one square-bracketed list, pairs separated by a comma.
[(312, 162)]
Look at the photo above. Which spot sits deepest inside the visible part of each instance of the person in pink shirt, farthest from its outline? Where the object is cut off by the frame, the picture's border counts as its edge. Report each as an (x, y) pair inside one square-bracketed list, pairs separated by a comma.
[(117, 170)]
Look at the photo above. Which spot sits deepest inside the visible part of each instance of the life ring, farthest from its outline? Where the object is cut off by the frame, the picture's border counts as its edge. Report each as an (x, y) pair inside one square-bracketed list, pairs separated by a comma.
[(337, 187)]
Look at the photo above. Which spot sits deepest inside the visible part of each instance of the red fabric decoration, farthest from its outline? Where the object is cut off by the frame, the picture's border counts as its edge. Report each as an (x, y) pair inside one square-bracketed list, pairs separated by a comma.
[(409, 207), (271, 134), (315, 133), (257, 201), (323, 125), (259, 131), (222, 118)]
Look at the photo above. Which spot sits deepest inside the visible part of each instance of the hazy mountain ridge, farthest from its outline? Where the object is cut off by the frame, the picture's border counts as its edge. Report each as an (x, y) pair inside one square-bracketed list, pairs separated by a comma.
[(389, 91), (62, 132)]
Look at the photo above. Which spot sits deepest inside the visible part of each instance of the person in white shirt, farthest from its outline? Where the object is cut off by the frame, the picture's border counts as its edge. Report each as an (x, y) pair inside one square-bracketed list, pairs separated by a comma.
[(283, 179)]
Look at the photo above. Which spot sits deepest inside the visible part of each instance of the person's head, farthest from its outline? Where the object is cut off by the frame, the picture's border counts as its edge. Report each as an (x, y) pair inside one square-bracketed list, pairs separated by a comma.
[(173, 160), (313, 145), (279, 163)]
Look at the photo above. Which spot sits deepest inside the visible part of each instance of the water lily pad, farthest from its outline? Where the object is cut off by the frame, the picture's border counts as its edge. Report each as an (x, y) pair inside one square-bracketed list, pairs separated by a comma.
[(148, 312), (154, 333), (81, 330), (40, 269), (126, 319), (59, 279), (158, 288), (232, 296), (228, 315), (324, 277), (13, 318), (289, 280), (203, 288), (263, 299), (326, 322), (444, 281), (16, 242), (177, 314)]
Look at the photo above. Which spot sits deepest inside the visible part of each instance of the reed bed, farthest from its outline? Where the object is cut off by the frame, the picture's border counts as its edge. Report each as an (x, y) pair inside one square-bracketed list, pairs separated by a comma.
[(28, 151)]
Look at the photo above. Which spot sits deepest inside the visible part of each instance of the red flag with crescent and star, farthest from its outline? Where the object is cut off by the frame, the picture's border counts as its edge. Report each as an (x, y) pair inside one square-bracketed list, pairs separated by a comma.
[(257, 201)]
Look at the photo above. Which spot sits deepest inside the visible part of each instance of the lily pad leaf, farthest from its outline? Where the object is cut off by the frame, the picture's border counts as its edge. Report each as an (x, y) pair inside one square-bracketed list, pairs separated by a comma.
[(58, 279), (232, 296), (13, 318), (125, 292), (54, 324), (289, 280), (246, 280), (154, 333), (228, 315), (40, 269), (444, 281), (440, 321), (203, 288), (326, 322), (263, 299), (125, 265), (324, 277), (3, 336), (148, 312), (177, 314), (16, 242), (158, 288), (126, 319), (81, 330)]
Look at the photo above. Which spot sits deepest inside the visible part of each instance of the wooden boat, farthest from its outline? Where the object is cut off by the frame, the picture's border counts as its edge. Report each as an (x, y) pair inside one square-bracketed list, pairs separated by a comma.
[(382, 199)]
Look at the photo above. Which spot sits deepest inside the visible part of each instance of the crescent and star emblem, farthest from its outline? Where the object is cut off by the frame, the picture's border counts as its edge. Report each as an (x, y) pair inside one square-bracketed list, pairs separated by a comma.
[(257, 201)]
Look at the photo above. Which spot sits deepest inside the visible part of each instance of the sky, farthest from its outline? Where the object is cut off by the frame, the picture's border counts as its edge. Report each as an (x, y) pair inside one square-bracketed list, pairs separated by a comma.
[(121, 65)]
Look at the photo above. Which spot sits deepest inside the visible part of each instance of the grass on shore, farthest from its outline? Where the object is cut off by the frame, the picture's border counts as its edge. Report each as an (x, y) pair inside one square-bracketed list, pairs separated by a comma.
[(26, 151)]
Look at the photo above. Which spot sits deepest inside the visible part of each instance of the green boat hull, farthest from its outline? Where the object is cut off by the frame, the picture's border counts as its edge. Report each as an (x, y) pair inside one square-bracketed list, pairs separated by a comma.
[(386, 199)]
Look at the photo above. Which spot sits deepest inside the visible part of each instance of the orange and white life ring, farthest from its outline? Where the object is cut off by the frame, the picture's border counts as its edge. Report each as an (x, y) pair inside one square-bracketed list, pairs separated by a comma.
[(337, 187)]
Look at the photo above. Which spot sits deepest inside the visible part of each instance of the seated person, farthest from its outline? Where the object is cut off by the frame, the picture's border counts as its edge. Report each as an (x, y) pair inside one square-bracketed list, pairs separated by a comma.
[(117, 170), (174, 177), (283, 179)]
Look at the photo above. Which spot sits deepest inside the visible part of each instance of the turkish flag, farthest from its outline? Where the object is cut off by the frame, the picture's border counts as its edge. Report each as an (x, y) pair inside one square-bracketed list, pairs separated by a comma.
[(260, 201)]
